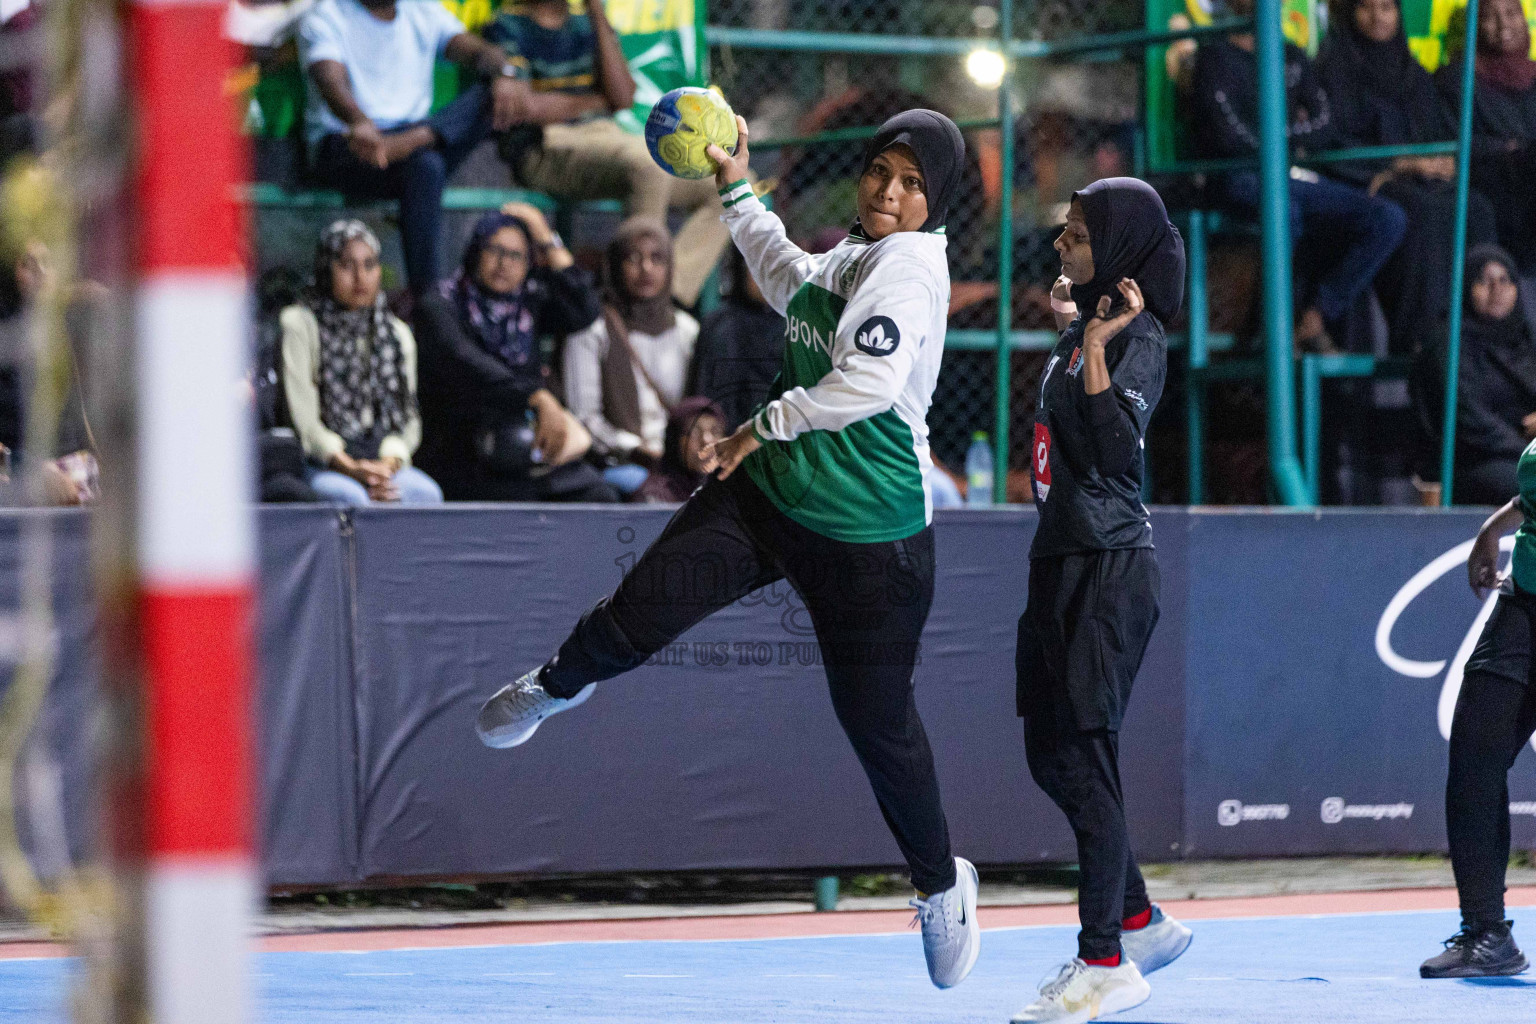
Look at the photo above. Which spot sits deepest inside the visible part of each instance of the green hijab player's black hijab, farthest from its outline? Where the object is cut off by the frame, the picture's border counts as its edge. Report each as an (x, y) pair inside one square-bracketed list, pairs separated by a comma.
[(940, 150)]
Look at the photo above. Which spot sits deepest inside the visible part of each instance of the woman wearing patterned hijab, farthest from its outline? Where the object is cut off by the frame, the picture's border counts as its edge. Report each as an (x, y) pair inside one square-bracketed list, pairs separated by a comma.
[(494, 431), (349, 369)]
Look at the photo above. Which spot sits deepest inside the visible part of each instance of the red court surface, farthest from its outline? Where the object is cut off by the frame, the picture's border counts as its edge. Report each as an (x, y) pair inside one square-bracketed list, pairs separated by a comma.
[(785, 926)]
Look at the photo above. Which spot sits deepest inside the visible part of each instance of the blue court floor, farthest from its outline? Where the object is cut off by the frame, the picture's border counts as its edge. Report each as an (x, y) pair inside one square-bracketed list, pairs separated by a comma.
[(1287, 970)]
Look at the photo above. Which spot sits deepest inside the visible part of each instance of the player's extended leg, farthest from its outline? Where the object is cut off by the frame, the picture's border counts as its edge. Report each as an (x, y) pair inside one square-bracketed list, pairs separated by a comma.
[(705, 559), (1078, 770), (868, 604), (1150, 938), (1493, 721)]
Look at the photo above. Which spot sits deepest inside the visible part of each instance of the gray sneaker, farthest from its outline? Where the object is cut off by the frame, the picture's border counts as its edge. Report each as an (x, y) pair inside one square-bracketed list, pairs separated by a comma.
[(519, 708), (951, 936), (1158, 944)]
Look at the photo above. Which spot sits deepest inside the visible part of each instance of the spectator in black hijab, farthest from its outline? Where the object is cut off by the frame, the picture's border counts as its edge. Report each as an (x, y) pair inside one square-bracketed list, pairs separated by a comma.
[(1382, 96), (1496, 382), (492, 430), (1503, 118), (695, 423), (1344, 235), (740, 349)]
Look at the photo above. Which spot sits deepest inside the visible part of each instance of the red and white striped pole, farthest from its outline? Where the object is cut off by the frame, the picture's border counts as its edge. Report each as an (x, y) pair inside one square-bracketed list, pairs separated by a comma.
[(195, 535)]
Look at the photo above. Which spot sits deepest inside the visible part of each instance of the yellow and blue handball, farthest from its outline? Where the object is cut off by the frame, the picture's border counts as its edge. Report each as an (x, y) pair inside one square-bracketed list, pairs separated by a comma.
[(683, 123)]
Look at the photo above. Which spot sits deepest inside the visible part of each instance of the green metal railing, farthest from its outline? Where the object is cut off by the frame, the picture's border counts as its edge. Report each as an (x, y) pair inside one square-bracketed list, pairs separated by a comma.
[(1453, 332), (1275, 227)]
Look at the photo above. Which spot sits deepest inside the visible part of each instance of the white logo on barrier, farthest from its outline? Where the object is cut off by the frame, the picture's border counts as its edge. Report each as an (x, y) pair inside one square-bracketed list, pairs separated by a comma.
[(1334, 810), (1235, 812), (1523, 807), (1455, 558)]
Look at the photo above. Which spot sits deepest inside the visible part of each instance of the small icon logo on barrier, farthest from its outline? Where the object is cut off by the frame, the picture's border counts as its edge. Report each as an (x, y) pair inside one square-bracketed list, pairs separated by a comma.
[(1235, 812), (1333, 810)]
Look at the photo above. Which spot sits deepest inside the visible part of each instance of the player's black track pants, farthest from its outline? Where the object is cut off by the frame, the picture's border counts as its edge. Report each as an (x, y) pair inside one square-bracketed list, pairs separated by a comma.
[(1081, 639), (1495, 717), (867, 603)]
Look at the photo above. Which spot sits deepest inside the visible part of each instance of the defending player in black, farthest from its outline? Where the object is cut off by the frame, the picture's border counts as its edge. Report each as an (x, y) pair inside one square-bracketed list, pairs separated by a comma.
[(1093, 577), (1495, 716)]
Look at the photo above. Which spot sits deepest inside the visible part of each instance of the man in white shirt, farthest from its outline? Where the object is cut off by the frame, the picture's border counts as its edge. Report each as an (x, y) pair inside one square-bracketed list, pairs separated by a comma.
[(370, 129)]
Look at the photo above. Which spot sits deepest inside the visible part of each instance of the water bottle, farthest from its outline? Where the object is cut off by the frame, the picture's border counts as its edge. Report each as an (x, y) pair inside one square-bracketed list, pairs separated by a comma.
[(525, 436), (978, 471)]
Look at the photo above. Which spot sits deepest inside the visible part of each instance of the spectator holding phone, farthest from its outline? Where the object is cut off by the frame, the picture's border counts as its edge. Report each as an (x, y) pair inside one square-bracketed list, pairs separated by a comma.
[(494, 431)]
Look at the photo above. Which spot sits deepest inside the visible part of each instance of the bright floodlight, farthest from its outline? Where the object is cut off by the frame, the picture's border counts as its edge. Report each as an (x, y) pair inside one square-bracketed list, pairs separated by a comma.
[(985, 68)]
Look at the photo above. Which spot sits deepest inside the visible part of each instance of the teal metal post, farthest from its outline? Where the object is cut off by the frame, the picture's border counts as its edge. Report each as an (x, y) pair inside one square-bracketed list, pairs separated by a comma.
[(1004, 263), (1275, 221), (1311, 421), (1459, 257), (1199, 333), (826, 893)]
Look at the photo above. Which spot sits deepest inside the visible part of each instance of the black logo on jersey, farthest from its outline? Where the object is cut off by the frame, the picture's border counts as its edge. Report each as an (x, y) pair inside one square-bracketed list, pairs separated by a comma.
[(877, 336)]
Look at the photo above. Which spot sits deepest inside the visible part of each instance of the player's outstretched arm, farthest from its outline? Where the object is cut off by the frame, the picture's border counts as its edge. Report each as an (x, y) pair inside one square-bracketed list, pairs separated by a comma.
[(778, 265)]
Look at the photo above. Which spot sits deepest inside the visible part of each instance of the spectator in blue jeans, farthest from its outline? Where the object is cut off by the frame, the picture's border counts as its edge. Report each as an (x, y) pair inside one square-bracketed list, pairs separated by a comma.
[(1360, 230), (349, 374), (369, 126)]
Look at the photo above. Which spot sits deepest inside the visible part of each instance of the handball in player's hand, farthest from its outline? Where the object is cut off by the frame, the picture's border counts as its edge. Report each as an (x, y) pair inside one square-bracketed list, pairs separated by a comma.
[(682, 124)]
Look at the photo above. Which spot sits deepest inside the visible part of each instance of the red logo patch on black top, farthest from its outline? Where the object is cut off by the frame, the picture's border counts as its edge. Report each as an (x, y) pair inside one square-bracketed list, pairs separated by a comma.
[(1075, 364), (1041, 458)]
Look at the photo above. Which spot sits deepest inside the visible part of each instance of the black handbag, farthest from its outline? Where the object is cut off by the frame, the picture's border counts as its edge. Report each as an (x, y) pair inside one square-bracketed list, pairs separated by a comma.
[(506, 449)]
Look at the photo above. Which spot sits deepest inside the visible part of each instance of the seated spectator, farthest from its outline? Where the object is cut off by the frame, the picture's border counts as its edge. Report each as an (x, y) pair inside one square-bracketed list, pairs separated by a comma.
[(625, 373), (368, 126), (349, 374), (694, 423), (1361, 229), (1503, 119), (1382, 96), (589, 156), (741, 348), (483, 377), (1496, 383), (67, 472)]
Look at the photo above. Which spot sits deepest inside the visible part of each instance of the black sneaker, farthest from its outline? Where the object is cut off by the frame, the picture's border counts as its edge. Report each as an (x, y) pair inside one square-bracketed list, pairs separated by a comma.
[(1484, 953)]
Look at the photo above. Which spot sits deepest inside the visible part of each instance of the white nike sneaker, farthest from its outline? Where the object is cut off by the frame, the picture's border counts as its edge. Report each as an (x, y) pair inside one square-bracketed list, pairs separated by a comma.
[(1157, 945), (951, 936), (1081, 993), (518, 709)]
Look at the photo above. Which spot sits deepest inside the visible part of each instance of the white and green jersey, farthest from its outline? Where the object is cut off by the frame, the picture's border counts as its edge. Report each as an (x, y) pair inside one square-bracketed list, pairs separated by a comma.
[(845, 437)]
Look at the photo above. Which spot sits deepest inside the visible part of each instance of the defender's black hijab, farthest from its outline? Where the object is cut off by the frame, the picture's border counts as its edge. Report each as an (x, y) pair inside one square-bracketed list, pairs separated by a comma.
[(1131, 236), (940, 151)]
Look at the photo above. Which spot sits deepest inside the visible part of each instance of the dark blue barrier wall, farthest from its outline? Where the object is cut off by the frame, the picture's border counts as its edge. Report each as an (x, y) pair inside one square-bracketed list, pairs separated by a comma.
[(1290, 704), (724, 755), (1268, 719)]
